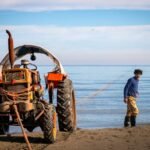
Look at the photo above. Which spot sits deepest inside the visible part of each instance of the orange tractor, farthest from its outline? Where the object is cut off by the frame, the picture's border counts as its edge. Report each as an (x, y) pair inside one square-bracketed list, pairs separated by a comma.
[(22, 95)]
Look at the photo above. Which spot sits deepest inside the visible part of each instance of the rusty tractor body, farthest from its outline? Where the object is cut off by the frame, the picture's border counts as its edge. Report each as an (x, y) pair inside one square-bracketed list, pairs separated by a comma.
[(20, 86)]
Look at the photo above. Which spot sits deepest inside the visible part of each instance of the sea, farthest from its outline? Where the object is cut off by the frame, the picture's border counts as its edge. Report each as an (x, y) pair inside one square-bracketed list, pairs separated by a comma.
[(99, 94)]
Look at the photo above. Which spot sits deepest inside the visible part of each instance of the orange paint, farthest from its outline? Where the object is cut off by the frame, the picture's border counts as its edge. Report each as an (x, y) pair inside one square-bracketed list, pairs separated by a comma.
[(55, 77)]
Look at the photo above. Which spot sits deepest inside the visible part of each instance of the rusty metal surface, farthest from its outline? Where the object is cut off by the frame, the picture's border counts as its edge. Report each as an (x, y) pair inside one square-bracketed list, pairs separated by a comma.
[(11, 48)]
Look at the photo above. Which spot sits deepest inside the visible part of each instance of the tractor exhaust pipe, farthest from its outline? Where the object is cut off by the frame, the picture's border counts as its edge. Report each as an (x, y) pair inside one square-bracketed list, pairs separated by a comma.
[(11, 49)]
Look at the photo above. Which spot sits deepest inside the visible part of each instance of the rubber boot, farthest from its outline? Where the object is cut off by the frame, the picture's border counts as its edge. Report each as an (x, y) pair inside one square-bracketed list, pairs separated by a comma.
[(126, 121), (133, 121)]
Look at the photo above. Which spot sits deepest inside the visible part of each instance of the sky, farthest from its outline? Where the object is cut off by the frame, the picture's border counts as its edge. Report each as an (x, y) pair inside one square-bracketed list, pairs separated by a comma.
[(80, 32)]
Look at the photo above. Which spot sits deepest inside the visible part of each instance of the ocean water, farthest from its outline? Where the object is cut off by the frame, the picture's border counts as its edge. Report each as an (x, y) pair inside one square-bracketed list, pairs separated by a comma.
[(99, 94)]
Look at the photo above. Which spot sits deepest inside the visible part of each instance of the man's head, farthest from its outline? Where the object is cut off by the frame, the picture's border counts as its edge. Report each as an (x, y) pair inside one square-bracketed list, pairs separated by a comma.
[(138, 73)]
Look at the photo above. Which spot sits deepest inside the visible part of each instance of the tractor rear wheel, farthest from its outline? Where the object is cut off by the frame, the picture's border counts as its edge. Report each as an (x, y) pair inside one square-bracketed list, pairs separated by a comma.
[(66, 107), (48, 123), (4, 127)]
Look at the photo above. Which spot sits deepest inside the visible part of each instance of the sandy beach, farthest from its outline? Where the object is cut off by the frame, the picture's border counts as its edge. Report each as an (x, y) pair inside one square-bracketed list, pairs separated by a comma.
[(98, 139)]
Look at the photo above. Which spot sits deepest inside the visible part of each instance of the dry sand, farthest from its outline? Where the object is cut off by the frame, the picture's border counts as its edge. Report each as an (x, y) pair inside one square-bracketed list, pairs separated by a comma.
[(99, 139)]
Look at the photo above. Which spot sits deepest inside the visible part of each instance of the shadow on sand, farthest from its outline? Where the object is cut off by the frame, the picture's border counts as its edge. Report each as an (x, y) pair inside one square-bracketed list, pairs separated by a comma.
[(20, 139)]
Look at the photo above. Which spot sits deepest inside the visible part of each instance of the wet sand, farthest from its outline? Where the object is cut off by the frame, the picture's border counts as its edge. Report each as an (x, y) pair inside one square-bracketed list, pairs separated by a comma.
[(137, 138)]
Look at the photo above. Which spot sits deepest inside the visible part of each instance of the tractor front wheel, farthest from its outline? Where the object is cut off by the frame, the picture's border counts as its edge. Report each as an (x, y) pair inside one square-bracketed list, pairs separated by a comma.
[(48, 123)]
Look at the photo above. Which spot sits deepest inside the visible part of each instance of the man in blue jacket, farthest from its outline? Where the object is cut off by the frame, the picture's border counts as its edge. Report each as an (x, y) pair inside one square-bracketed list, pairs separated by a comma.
[(130, 95)]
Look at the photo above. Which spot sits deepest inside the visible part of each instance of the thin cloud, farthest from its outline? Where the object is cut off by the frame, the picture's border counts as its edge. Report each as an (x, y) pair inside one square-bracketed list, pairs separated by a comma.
[(86, 45), (46, 5)]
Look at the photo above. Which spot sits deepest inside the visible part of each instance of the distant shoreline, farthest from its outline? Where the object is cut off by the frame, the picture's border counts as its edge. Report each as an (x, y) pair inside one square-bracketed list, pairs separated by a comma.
[(96, 65)]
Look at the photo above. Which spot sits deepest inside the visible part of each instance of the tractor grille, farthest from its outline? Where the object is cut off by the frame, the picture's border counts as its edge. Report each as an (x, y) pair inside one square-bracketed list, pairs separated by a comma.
[(17, 89)]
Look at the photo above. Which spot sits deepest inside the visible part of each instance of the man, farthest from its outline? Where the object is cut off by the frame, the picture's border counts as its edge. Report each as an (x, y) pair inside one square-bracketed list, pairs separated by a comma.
[(130, 95)]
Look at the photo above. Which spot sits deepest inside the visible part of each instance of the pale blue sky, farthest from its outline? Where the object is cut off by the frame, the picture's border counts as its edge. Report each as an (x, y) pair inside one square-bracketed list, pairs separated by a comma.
[(77, 17), (78, 32)]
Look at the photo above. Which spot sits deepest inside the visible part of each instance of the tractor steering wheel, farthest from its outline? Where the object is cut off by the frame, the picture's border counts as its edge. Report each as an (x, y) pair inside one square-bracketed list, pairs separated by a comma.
[(35, 67)]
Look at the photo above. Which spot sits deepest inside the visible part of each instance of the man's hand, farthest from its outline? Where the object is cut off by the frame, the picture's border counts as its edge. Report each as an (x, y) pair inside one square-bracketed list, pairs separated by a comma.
[(125, 100)]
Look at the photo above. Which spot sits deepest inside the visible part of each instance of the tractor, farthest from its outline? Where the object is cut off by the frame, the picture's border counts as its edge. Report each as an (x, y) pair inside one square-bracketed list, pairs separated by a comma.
[(22, 99)]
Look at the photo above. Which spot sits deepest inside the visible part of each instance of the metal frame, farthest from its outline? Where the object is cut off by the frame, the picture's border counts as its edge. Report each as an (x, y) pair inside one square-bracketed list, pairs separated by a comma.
[(29, 49)]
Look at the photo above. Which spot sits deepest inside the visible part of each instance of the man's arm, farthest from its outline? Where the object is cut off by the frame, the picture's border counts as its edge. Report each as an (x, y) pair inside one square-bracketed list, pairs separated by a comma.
[(126, 89)]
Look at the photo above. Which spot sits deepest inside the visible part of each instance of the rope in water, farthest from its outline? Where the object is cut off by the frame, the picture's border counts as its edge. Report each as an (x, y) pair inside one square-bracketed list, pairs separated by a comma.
[(101, 90)]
